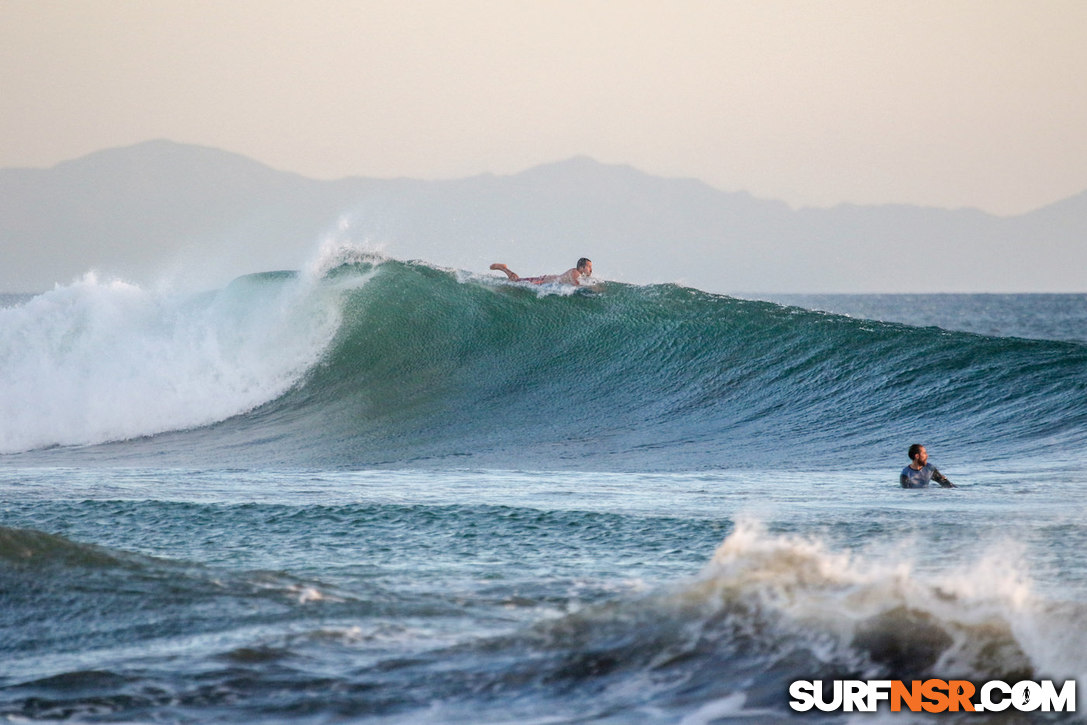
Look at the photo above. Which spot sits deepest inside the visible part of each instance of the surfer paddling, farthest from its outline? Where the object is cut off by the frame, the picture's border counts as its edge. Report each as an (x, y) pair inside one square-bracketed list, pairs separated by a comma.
[(572, 276), (920, 471)]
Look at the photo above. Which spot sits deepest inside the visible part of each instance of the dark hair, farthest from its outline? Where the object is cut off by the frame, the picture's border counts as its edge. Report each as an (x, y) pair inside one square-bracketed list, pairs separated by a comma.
[(915, 449), (583, 261)]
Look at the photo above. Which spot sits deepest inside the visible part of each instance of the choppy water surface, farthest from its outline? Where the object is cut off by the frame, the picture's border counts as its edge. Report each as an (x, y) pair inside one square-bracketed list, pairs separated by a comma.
[(412, 495)]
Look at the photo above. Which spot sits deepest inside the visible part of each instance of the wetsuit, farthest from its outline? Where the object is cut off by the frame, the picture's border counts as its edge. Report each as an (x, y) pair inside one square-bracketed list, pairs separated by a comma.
[(913, 478)]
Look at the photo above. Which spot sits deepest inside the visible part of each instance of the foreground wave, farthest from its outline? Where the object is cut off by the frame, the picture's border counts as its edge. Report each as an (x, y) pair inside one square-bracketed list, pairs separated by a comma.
[(133, 637), (383, 363)]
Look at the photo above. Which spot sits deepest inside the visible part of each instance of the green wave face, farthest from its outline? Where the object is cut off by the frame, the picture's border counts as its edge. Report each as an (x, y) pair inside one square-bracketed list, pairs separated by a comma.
[(432, 367)]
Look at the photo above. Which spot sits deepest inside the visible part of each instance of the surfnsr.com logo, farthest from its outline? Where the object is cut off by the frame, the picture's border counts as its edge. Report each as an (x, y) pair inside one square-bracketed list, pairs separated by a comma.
[(932, 696)]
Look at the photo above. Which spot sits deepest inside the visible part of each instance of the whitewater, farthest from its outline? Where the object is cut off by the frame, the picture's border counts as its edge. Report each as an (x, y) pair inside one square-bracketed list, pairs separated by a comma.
[(380, 490)]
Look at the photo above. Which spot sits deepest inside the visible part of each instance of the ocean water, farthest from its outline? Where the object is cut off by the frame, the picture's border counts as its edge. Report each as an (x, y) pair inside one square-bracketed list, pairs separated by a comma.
[(1041, 316), (379, 491)]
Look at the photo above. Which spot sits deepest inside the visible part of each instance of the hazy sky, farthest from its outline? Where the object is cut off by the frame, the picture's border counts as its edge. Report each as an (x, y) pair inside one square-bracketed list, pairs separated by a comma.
[(950, 103)]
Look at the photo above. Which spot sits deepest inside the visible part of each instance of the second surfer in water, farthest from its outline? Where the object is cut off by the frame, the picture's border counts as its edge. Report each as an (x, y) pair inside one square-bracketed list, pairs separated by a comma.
[(920, 471), (572, 276)]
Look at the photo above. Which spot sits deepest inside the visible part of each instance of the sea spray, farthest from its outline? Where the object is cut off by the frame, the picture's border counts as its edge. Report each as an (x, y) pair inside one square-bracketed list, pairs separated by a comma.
[(104, 360), (880, 616)]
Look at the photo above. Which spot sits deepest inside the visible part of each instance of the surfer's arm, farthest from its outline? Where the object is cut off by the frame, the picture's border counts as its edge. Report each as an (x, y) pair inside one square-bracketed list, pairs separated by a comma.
[(904, 480), (941, 479), (508, 272)]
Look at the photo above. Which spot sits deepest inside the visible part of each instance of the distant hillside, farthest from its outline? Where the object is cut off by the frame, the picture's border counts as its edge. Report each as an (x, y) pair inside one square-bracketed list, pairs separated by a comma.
[(161, 209)]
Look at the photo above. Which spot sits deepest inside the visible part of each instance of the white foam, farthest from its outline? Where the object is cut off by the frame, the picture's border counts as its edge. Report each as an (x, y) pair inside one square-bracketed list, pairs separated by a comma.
[(337, 249), (827, 596), (104, 360)]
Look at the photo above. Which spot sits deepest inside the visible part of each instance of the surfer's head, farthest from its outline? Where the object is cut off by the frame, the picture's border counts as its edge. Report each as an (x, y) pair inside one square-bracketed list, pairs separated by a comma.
[(585, 266), (918, 450)]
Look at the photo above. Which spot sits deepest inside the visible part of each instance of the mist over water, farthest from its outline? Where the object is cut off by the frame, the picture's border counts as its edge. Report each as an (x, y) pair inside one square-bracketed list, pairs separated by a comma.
[(99, 361)]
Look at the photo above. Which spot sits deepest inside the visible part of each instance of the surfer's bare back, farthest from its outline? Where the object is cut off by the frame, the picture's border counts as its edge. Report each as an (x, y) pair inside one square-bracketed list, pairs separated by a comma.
[(572, 276)]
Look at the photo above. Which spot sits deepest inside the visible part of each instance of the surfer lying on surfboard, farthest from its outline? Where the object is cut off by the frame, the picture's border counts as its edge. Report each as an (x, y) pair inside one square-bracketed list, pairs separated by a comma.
[(572, 276)]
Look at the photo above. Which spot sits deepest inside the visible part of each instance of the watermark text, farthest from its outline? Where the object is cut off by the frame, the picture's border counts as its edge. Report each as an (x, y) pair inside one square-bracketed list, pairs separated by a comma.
[(932, 696)]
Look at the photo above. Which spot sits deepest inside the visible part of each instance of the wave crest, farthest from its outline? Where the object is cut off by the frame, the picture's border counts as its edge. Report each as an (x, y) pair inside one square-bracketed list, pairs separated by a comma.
[(101, 361), (880, 617)]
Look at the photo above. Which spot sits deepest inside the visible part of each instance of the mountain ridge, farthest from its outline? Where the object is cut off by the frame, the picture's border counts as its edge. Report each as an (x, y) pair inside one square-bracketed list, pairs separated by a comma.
[(138, 210)]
